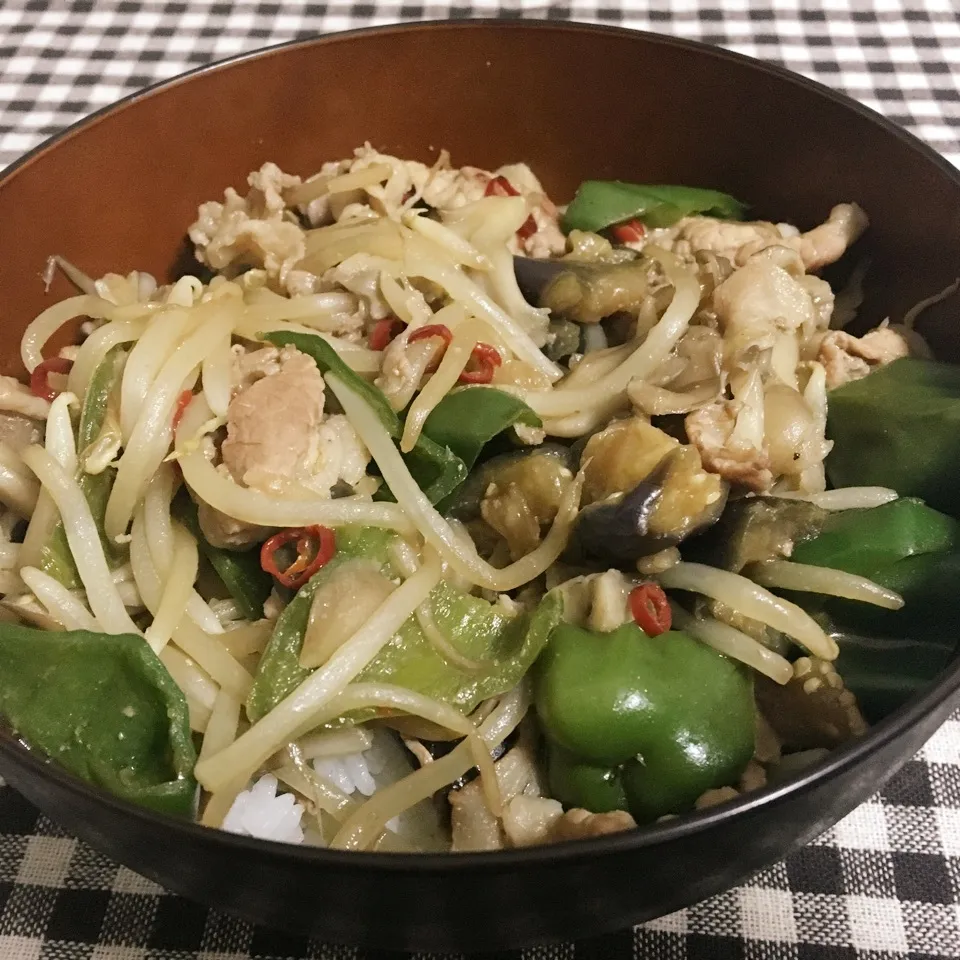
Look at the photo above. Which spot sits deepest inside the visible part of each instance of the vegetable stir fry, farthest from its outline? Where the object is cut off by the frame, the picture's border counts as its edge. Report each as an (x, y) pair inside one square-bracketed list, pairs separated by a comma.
[(429, 515)]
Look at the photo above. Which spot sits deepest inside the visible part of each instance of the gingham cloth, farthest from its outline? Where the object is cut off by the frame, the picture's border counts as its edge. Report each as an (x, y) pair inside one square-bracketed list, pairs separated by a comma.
[(884, 883)]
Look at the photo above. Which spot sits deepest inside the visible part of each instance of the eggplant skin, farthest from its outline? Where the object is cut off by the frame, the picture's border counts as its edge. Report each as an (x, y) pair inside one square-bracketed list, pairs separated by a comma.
[(540, 480), (755, 529), (584, 292), (617, 530), (644, 492)]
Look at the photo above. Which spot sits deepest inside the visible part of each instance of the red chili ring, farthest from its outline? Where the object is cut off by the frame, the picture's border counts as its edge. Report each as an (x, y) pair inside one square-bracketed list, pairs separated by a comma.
[(629, 232), (487, 359), (304, 567), (651, 609), (528, 228), (383, 332), (500, 187), (39, 378), (433, 330)]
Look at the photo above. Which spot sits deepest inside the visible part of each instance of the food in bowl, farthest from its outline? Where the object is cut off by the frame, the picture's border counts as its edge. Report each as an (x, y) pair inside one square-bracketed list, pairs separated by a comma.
[(427, 515)]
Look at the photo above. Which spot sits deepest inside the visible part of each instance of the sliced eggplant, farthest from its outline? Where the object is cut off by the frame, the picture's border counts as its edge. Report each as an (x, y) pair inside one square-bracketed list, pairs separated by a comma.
[(584, 292), (754, 529), (540, 473), (644, 491)]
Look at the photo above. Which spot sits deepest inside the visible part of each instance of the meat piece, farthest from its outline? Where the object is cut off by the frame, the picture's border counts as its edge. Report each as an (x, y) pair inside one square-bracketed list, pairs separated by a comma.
[(724, 238), (712, 798), (251, 231), (738, 242), (17, 398), (449, 188), (710, 430), (846, 357), (18, 431), (278, 438), (827, 243), (252, 365), (611, 601), (226, 532), (579, 824), (473, 825), (442, 187), (360, 274), (548, 240), (761, 301)]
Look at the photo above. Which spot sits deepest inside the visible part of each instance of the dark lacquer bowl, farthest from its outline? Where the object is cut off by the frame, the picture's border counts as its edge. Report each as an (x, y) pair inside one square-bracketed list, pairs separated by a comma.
[(117, 192)]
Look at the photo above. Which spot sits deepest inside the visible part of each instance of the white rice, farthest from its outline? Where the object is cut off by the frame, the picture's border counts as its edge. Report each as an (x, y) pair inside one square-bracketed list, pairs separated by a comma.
[(352, 774), (260, 812), (356, 772)]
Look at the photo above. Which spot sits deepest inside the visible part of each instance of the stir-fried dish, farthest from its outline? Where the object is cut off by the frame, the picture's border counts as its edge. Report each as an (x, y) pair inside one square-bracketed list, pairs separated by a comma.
[(428, 515)]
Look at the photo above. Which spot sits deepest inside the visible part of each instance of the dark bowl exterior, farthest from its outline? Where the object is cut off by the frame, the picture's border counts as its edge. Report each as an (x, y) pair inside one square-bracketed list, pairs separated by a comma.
[(116, 192)]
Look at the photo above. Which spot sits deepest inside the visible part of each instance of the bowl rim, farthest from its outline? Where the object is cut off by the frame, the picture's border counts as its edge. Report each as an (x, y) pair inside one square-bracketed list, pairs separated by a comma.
[(839, 760)]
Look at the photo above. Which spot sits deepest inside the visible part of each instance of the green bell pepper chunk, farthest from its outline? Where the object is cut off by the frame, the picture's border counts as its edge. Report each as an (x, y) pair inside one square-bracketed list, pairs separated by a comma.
[(578, 784), (864, 541), (666, 716), (599, 204), (888, 655), (104, 707), (241, 573), (477, 629), (55, 556), (899, 428)]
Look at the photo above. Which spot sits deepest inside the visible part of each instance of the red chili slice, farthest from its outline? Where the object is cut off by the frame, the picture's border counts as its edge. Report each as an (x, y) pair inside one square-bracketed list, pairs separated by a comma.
[(433, 330), (651, 609), (315, 546), (528, 228), (500, 187), (629, 232), (383, 332), (39, 379), (486, 359), (183, 401)]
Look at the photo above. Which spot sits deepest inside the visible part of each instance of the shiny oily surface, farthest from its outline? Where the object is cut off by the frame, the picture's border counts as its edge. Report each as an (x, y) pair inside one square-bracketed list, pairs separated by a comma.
[(514, 84)]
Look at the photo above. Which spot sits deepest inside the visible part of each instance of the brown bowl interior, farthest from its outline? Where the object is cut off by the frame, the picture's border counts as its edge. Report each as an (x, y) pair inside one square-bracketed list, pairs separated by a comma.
[(118, 193), (574, 102)]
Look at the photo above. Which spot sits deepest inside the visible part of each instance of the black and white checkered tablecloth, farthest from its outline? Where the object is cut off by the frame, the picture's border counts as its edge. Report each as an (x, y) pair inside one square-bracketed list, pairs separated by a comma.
[(885, 883)]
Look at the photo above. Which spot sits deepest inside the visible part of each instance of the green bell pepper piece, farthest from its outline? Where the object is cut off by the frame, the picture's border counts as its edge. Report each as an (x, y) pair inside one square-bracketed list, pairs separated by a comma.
[(864, 541), (899, 428), (888, 655), (477, 629), (668, 715), (279, 672), (241, 573), (454, 434), (55, 556), (578, 784), (466, 420), (104, 707), (599, 204)]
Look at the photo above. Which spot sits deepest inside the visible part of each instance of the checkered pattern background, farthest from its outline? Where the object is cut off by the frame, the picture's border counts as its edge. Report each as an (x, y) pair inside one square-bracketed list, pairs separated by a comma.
[(885, 883)]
